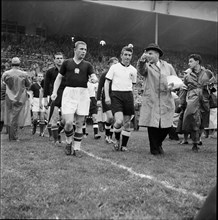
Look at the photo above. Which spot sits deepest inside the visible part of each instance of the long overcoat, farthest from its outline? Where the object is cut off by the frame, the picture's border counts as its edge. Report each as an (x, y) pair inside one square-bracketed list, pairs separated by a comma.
[(17, 109), (158, 105), (196, 115)]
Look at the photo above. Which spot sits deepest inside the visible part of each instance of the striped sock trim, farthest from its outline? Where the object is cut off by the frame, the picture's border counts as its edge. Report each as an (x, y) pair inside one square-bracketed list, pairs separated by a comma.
[(78, 136), (54, 128), (95, 125), (116, 130), (126, 133), (107, 125), (68, 133)]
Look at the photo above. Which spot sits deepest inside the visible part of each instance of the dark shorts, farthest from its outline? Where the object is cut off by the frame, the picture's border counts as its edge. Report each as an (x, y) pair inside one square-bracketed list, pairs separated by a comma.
[(122, 101), (105, 107), (93, 109)]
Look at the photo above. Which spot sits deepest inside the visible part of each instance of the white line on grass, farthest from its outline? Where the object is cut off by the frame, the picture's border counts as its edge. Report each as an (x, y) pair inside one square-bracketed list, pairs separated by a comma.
[(143, 176)]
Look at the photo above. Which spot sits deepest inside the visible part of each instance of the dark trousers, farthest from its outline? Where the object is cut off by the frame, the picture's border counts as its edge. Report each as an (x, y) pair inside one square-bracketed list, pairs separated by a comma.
[(12, 131), (156, 137)]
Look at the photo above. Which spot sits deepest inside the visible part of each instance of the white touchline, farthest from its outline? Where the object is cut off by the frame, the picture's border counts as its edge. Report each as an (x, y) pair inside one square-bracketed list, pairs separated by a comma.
[(164, 183), (143, 176)]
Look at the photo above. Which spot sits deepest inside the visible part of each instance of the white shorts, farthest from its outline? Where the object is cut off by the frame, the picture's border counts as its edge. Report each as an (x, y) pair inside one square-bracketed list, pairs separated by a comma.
[(35, 105), (213, 119), (75, 100)]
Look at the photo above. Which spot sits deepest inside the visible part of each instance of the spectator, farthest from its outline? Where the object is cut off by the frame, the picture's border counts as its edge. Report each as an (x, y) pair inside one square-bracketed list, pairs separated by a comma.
[(196, 115), (17, 102)]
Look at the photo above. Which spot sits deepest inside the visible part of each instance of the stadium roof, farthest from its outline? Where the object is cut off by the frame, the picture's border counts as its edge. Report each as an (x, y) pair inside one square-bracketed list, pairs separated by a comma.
[(123, 22)]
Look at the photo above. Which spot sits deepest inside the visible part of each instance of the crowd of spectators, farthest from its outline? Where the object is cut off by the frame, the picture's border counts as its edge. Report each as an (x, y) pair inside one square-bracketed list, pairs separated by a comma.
[(36, 53)]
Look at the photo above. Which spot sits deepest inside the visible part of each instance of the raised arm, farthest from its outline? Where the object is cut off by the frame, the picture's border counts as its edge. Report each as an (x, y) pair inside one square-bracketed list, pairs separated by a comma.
[(142, 65)]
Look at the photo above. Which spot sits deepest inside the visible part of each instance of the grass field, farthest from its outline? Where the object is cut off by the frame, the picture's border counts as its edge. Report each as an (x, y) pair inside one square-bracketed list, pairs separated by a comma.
[(39, 182)]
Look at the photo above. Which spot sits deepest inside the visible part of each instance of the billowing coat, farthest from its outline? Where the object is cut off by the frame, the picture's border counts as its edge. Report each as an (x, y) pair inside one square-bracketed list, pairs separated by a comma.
[(196, 115), (158, 105), (16, 99)]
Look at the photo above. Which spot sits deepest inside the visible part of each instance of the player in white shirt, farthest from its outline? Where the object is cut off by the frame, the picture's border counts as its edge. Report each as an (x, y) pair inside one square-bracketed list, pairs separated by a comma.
[(122, 75)]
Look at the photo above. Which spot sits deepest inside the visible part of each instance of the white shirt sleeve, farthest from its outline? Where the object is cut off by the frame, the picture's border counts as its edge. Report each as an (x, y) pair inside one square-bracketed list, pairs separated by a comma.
[(110, 73)]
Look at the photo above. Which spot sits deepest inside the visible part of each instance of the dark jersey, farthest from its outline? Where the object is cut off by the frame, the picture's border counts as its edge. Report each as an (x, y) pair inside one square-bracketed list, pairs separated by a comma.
[(100, 92), (76, 75), (35, 87), (49, 80)]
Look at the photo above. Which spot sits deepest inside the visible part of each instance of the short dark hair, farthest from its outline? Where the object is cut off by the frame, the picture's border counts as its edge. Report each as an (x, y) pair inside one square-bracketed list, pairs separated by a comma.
[(196, 57), (111, 60), (58, 53), (126, 48)]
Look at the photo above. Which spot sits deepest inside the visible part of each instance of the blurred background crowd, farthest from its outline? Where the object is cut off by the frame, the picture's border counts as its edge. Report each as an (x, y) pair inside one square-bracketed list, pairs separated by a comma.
[(36, 54)]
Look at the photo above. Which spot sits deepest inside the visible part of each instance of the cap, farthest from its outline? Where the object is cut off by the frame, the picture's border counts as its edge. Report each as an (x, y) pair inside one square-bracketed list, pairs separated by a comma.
[(15, 60)]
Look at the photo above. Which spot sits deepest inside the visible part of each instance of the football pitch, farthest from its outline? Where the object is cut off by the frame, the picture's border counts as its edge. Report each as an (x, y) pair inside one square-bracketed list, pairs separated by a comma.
[(38, 181)]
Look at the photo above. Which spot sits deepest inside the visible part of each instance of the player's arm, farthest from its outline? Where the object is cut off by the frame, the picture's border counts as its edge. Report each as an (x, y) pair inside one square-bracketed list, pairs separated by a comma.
[(99, 91), (56, 86), (46, 85), (106, 91)]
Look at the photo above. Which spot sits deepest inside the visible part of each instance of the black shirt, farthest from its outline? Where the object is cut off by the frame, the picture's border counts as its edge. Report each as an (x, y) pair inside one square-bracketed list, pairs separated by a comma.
[(49, 80), (35, 87), (76, 75), (100, 92)]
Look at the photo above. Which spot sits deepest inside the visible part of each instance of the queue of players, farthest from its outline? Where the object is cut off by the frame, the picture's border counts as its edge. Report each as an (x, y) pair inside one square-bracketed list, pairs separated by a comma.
[(71, 91)]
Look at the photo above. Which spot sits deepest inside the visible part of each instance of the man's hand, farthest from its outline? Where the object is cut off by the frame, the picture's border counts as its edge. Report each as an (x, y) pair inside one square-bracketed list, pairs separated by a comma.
[(99, 103), (46, 103), (108, 101), (170, 86), (144, 57), (93, 78), (53, 96)]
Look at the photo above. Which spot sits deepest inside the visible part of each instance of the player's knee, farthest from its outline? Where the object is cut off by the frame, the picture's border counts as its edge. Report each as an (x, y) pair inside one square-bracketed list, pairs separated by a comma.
[(119, 123), (110, 119), (69, 124)]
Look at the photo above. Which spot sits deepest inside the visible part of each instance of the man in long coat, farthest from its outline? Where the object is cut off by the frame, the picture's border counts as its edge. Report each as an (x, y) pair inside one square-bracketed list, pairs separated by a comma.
[(158, 105), (196, 96), (16, 99)]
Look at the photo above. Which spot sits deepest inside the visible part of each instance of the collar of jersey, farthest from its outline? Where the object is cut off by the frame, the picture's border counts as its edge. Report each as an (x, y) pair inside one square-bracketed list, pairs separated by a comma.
[(124, 65)]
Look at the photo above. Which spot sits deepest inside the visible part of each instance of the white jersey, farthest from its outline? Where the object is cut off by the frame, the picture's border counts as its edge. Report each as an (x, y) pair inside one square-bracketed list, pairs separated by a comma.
[(122, 77), (92, 87)]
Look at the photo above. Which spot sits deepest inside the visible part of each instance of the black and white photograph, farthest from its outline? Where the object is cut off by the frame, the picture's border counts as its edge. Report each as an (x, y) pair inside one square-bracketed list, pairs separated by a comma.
[(109, 109)]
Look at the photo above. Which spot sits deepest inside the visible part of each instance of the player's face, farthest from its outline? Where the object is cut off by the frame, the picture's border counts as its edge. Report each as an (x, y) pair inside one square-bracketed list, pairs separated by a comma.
[(58, 60), (40, 77), (126, 57), (80, 51), (192, 63)]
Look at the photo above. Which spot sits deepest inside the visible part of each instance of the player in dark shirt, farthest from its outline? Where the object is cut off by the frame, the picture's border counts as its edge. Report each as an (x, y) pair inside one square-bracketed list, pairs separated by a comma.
[(55, 106), (101, 103), (38, 109), (75, 100)]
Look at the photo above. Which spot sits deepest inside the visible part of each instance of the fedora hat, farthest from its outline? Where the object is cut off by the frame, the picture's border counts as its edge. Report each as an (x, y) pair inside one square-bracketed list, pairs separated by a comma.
[(155, 47)]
